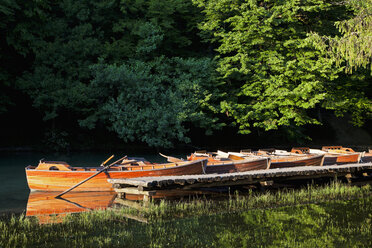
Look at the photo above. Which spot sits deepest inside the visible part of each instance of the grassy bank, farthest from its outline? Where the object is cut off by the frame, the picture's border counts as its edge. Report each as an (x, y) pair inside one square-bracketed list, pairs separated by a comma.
[(328, 216), (253, 199)]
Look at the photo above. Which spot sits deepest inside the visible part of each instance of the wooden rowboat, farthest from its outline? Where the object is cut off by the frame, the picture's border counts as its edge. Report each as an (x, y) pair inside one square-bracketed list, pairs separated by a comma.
[(293, 161), (282, 159), (367, 156), (332, 154), (338, 149), (60, 176), (229, 165)]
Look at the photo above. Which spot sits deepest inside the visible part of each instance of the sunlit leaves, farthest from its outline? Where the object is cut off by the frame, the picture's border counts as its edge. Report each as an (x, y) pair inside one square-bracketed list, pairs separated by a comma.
[(266, 61), (273, 75), (354, 46)]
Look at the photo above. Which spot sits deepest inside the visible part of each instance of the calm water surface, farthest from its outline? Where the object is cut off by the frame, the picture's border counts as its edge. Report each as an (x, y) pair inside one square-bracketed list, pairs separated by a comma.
[(14, 191), (329, 224)]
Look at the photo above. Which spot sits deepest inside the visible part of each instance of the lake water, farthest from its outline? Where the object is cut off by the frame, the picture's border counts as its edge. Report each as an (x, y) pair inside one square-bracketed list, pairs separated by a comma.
[(14, 191), (326, 224)]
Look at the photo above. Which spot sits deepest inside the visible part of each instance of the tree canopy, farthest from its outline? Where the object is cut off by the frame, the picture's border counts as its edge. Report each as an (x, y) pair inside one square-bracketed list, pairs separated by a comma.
[(354, 45), (272, 74), (151, 101), (155, 71)]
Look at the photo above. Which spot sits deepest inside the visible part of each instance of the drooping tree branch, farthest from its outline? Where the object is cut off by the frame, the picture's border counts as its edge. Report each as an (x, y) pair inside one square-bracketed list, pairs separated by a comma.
[(355, 45)]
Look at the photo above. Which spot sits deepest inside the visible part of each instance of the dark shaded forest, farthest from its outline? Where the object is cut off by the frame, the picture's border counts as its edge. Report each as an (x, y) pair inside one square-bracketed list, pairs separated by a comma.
[(180, 73)]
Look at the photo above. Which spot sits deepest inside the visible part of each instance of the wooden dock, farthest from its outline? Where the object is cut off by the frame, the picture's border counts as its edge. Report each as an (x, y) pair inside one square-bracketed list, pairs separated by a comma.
[(158, 187)]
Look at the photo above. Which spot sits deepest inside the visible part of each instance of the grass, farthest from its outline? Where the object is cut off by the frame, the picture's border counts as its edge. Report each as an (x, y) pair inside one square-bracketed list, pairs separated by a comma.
[(336, 215), (253, 199)]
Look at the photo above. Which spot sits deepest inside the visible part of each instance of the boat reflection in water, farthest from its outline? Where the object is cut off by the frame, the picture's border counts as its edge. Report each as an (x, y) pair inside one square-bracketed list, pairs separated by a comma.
[(48, 209)]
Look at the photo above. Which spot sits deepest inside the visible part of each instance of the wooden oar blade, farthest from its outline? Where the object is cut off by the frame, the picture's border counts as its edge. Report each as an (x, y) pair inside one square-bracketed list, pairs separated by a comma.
[(108, 159), (235, 157), (171, 159)]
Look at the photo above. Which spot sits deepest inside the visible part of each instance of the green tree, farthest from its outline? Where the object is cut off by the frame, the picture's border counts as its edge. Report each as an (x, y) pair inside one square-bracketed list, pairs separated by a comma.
[(351, 49), (271, 73), (152, 101), (7, 16), (354, 45), (68, 42), (63, 39)]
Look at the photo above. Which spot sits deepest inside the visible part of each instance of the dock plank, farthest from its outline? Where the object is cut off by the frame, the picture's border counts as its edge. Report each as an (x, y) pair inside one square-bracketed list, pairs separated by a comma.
[(248, 177)]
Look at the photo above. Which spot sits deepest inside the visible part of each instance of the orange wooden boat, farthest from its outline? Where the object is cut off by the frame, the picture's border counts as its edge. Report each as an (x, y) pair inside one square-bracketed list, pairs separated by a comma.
[(231, 164), (293, 161), (60, 176), (48, 209), (333, 154), (337, 149), (367, 156), (288, 160)]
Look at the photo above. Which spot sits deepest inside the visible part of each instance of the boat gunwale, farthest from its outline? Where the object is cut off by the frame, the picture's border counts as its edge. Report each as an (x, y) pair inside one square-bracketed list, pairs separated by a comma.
[(297, 158), (335, 154), (237, 162), (300, 159)]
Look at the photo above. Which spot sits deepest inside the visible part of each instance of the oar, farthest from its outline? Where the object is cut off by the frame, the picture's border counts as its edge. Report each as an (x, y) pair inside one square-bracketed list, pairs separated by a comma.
[(104, 168), (235, 157), (171, 159)]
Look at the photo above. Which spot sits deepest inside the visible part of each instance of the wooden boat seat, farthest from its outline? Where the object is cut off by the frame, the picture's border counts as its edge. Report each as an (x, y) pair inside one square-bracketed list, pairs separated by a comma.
[(204, 155), (53, 165), (148, 166), (201, 151), (140, 163), (84, 168), (131, 162), (234, 157), (337, 148), (266, 151), (301, 150)]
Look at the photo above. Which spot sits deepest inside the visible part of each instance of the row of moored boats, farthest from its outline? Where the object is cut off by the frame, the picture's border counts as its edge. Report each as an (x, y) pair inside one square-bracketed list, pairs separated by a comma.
[(59, 176)]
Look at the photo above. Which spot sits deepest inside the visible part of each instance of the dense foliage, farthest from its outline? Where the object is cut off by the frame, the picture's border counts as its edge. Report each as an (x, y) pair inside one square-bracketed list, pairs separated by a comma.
[(271, 71), (153, 71), (354, 46), (155, 112)]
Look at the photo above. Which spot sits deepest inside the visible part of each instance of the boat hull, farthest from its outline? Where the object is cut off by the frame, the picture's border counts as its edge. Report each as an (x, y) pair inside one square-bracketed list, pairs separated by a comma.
[(367, 158), (341, 158), (316, 160), (333, 154), (237, 166), (52, 180)]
